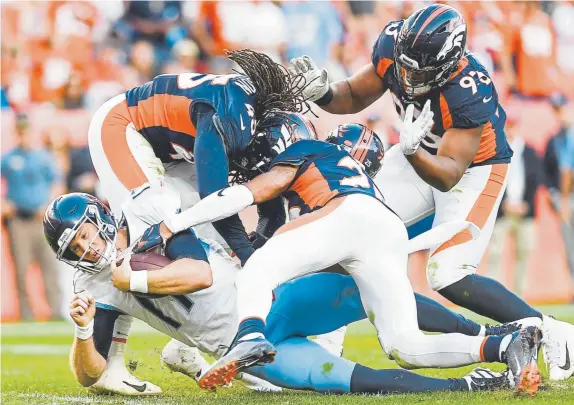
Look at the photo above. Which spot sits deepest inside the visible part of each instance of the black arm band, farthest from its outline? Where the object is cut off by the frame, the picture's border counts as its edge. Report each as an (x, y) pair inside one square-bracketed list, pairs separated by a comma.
[(326, 99)]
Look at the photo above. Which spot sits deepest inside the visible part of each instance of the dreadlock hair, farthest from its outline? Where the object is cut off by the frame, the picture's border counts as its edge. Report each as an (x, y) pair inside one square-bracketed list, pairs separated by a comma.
[(277, 90)]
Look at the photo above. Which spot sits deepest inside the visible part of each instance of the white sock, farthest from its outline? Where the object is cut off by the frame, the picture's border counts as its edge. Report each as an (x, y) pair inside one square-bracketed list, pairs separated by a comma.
[(251, 336)]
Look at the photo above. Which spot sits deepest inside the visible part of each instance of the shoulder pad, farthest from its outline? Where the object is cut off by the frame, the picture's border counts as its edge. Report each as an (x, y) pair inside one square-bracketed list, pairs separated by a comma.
[(470, 95), (382, 56)]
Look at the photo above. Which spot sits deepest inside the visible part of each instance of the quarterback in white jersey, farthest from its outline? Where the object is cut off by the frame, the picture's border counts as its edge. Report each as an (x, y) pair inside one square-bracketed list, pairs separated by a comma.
[(115, 308)]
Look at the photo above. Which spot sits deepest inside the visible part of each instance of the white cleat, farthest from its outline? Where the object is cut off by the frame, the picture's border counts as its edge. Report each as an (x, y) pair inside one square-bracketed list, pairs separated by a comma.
[(256, 384), (558, 348), (184, 359), (117, 380)]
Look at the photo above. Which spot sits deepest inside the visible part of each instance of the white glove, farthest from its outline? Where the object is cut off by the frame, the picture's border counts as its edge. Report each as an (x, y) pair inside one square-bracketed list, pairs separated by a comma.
[(413, 132), (316, 81)]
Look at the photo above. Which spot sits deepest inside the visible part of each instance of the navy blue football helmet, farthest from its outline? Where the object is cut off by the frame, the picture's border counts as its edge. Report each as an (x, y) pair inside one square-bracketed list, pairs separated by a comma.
[(361, 143), (282, 130), (64, 217), (428, 48)]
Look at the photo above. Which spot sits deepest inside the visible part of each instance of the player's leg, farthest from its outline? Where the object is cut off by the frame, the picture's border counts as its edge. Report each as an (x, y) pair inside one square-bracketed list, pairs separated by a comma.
[(379, 267), (404, 191), (307, 244), (304, 365), (122, 157), (452, 266)]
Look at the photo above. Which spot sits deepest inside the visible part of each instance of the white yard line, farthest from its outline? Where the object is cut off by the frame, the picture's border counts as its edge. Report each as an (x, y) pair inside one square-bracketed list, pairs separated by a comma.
[(36, 349)]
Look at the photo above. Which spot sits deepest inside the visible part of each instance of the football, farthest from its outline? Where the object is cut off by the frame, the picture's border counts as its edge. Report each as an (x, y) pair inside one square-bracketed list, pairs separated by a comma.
[(148, 261)]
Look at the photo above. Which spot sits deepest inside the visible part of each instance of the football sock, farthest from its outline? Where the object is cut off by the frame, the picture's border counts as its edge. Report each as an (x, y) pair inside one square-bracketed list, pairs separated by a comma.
[(489, 298), (434, 317), (249, 328), (367, 380), (494, 346)]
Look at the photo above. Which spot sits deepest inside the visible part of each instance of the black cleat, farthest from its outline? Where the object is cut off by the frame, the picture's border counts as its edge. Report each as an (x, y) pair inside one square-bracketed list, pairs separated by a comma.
[(483, 379), (521, 356), (502, 329), (249, 353)]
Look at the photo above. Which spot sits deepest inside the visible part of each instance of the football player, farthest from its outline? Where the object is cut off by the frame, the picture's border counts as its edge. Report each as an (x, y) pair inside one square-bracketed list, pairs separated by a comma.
[(193, 300), (342, 213), (452, 158), (189, 131)]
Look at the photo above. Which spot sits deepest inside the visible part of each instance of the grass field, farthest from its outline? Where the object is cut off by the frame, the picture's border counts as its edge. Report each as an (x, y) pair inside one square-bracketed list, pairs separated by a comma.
[(35, 371)]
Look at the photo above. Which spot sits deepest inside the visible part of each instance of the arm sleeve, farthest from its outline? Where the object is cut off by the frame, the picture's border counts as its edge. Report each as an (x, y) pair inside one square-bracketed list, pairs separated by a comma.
[(185, 245), (212, 172)]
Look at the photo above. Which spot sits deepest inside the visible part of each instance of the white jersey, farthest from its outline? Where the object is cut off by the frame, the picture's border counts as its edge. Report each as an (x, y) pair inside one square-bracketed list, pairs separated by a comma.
[(205, 319)]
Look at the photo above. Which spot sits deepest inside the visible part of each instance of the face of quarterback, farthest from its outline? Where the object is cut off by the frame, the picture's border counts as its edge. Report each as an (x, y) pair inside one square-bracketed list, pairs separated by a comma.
[(88, 243)]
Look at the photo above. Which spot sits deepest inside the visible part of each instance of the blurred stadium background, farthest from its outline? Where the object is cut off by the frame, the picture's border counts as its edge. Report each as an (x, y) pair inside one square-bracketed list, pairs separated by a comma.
[(62, 59)]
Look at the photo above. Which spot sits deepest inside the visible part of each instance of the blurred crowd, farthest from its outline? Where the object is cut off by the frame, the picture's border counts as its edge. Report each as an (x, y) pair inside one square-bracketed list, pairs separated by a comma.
[(74, 55)]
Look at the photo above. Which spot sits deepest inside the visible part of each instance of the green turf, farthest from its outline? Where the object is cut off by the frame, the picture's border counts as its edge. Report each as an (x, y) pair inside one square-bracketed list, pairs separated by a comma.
[(35, 371)]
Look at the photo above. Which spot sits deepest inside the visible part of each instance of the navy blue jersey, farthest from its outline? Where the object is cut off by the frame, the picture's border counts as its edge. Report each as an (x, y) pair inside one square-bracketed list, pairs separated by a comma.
[(325, 171), (468, 100), (161, 111)]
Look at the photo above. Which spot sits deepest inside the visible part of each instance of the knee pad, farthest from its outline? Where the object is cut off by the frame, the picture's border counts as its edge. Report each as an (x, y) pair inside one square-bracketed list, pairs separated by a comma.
[(442, 272)]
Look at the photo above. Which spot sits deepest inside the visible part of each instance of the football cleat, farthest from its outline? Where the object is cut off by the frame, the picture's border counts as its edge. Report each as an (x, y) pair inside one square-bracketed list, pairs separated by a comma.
[(511, 327), (502, 329), (521, 356), (483, 379), (117, 380), (558, 348), (245, 354), (184, 359)]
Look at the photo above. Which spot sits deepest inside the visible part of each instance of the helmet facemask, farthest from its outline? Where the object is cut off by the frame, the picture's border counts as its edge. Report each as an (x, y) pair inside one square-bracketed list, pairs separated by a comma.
[(105, 230), (417, 82)]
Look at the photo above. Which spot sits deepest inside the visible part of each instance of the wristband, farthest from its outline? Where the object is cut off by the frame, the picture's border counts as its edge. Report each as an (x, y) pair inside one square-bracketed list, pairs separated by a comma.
[(326, 98), (138, 281), (85, 332)]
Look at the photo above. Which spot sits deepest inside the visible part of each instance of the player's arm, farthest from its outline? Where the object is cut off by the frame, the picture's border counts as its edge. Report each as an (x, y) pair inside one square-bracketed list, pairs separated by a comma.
[(189, 272), (353, 94), (212, 172), (87, 364), (232, 200), (455, 153)]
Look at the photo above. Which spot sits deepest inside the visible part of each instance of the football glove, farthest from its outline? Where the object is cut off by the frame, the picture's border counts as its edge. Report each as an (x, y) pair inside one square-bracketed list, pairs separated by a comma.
[(150, 240), (316, 82), (413, 132)]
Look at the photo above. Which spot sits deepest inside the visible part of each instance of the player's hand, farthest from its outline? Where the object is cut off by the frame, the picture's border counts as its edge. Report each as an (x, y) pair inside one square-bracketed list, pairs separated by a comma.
[(82, 308), (121, 274), (316, 82), (414, 131), (155, 236)]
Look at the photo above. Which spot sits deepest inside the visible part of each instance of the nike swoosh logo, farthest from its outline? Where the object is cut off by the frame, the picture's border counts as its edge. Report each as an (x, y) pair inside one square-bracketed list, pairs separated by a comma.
[(486, 100), (220, 192), (241, 121), (566, 365), (138, 388)]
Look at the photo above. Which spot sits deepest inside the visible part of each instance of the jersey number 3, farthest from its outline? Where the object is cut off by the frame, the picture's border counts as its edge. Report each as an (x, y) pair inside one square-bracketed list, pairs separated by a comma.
[(361, 180)]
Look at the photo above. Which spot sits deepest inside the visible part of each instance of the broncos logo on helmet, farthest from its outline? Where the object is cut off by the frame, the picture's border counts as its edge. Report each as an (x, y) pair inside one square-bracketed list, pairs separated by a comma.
[(361, 143)]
